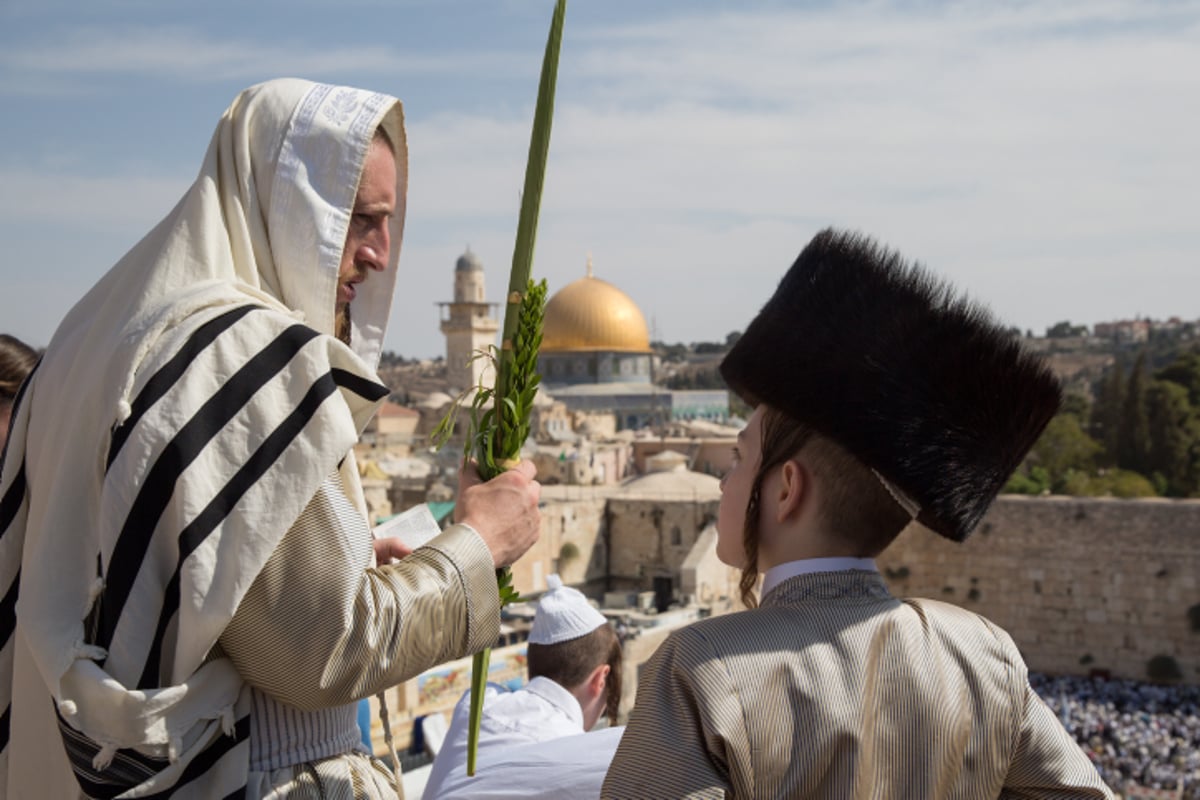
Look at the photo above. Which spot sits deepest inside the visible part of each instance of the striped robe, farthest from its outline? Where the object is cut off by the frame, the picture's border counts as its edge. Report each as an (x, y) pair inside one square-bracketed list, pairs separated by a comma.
[(835, 689)]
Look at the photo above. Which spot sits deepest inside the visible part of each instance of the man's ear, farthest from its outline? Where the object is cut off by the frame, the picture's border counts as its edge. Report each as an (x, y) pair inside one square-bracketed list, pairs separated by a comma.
[(597, 680), (795, 484)]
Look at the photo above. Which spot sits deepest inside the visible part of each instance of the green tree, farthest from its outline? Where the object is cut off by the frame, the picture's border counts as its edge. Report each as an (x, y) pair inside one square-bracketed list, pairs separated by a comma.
[(1123, 483), (1133, 437), (1077, 405), (1106, 413), (1063, 448), (1174, 437), (1185, 371), (1034, 481), (1114, 482), (1061, 330)]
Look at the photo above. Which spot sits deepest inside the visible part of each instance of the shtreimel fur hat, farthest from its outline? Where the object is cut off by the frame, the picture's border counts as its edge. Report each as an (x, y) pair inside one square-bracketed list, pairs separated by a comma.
[(918, 383)]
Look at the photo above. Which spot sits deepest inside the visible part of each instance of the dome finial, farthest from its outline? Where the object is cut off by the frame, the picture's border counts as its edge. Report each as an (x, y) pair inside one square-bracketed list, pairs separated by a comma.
[(589, 266), (468, 262)]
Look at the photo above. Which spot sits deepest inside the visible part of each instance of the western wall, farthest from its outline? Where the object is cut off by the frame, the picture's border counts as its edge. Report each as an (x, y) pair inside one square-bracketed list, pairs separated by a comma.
[(1081, 584)]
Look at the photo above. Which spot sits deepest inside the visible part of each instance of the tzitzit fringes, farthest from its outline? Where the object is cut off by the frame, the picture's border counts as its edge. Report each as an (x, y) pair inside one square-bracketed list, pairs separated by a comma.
[(391, 743)]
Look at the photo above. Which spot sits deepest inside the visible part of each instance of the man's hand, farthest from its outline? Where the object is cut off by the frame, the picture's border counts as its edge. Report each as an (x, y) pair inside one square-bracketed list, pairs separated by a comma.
[(389, 550), (504, 510)]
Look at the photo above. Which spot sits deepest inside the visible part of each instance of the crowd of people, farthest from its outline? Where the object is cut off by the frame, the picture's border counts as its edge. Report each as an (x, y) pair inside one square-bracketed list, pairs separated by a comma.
[(1143, 733)]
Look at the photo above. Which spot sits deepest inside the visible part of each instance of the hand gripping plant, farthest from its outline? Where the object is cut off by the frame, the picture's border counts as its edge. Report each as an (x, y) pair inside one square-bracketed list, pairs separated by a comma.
[(496, 434)]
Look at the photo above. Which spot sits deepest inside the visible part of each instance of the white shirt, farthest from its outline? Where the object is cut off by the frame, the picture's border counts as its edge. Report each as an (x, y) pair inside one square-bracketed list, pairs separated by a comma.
[(539, 711), (806, 566), (568, 768)]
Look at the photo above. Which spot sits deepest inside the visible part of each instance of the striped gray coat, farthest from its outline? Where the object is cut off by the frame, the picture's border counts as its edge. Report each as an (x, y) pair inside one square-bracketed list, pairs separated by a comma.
[(835, 689)]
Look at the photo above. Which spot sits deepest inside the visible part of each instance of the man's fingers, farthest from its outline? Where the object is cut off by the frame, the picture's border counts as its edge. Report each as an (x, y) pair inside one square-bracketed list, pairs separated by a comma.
[(388, 548), (526, 468), (470, 472)]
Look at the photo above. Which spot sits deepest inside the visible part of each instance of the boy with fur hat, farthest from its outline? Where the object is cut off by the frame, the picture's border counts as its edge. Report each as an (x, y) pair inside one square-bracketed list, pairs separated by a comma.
[(880, 397), (532, 741)]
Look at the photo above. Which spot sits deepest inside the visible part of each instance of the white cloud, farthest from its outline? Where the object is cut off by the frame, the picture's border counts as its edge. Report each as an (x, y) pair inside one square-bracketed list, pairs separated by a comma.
[(184, 53), (1042, 155), (82, 201)]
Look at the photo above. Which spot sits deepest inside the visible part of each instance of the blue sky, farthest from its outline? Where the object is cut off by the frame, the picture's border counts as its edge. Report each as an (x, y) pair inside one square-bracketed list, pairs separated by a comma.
[(1042, 155)]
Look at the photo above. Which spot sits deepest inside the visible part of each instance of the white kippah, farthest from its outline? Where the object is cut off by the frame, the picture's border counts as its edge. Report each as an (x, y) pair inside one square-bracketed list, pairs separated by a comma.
[(563, 614)]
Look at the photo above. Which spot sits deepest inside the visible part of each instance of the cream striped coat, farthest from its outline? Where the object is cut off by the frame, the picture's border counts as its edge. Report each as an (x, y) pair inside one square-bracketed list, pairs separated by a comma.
[(835, 689)]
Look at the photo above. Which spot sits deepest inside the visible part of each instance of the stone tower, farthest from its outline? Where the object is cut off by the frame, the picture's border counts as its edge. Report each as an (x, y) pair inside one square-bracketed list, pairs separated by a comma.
[(469, 323)]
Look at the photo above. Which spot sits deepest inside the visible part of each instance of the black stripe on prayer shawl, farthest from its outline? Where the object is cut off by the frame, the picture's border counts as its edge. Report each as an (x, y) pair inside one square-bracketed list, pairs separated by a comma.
[(8, 606), (8, 610), (10, 504), (130, 768), (171, 372), (360, 386), (8, 623), (219, 507), (155, 494), (206, 760), (127, 769)]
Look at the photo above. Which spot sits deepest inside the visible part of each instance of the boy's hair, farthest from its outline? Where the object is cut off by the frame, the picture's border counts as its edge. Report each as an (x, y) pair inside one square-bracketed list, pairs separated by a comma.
[(855, 504), (570, 663)]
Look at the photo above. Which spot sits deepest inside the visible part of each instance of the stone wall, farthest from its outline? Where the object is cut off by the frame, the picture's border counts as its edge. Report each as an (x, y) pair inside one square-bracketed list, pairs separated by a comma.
[(1081, 584), (577, 522), (651, 538)]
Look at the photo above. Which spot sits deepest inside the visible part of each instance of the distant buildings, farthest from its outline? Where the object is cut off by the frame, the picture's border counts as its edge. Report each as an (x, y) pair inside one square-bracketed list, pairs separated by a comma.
[(1139, 331)]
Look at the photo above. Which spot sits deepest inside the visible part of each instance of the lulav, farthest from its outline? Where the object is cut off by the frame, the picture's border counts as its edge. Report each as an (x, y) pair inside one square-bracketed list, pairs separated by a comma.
[(496, 434)]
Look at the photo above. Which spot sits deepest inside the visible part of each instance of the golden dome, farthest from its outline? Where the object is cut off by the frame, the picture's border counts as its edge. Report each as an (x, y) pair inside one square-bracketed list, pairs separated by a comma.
[(590, 314)]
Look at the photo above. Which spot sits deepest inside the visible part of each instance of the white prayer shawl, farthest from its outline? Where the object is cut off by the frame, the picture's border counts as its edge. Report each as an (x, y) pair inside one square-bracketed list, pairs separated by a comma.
[(539, 711), (185, 412), (567, 768)]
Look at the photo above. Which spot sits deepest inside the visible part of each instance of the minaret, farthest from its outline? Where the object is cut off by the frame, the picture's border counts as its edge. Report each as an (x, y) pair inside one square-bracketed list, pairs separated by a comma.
[(468, 323)]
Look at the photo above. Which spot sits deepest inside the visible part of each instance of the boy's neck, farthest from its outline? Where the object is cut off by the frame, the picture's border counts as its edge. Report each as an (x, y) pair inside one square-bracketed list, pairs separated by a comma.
[(803, 542)]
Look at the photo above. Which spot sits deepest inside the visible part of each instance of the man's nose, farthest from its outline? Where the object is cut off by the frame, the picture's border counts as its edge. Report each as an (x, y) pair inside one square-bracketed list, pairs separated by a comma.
[(378, 245)]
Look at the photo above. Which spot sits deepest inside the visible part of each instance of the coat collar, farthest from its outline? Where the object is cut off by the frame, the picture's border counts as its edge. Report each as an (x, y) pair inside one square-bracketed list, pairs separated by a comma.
[(844, 585)]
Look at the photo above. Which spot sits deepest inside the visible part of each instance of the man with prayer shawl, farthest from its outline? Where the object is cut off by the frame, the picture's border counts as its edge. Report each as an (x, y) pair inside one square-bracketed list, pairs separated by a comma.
[(191, 597)]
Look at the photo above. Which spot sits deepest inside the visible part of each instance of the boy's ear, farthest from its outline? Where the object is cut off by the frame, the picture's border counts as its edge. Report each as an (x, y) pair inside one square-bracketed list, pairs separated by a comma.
[(794, 487)]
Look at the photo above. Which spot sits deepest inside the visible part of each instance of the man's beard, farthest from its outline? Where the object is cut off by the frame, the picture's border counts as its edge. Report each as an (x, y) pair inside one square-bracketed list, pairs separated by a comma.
[(341, 324)]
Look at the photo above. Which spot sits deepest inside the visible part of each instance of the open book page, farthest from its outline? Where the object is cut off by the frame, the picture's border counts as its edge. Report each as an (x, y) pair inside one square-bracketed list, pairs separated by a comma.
[(415, 527)]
